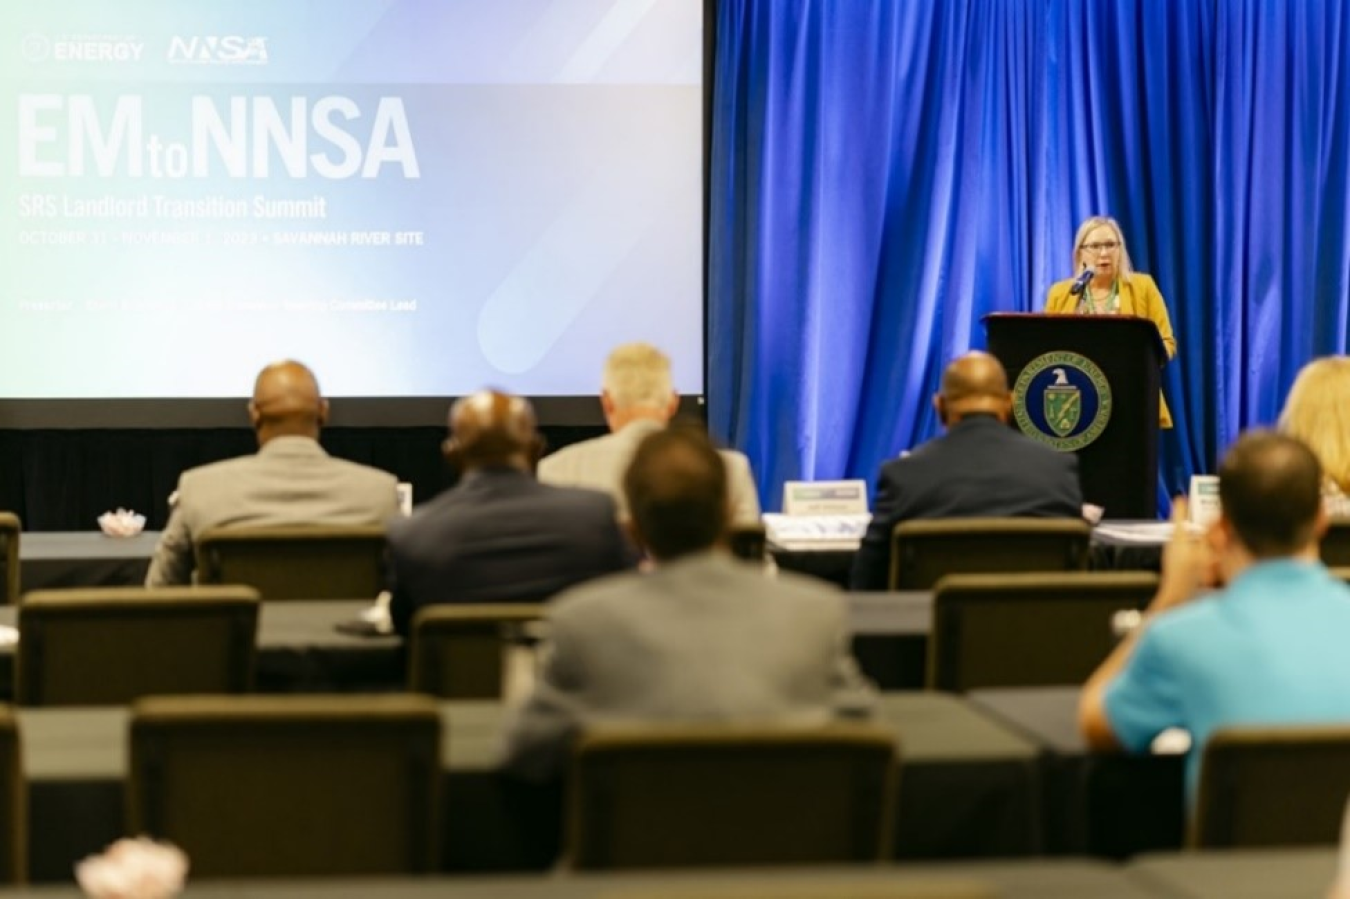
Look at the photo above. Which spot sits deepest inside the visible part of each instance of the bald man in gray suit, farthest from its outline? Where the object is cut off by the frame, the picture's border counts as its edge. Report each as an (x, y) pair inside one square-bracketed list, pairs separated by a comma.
[(703, 637), (291, 480)]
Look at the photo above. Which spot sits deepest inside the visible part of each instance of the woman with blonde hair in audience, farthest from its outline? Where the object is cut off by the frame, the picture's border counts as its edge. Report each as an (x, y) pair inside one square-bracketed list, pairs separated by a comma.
[(1317, 411)]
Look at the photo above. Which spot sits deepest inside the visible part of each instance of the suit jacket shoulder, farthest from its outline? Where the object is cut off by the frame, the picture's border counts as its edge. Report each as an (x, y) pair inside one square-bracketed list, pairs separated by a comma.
[(502, 537), (600, 463), (704, 638), (1058, 300), (979, 468), (289, 481)]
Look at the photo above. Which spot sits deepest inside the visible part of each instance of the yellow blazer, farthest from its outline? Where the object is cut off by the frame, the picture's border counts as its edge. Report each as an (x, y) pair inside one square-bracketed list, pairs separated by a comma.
[(1139, 295)]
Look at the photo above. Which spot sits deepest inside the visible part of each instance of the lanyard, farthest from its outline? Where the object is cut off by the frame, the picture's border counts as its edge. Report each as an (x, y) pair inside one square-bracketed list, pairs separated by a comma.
[(1112, 305)]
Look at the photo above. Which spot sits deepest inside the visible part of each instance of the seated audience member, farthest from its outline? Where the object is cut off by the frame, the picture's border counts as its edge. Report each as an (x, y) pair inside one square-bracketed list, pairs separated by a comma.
[(499, 535), (703, 637), (979, 468), (290, 480), (638, 399), (1267, 648), (1317, 411)]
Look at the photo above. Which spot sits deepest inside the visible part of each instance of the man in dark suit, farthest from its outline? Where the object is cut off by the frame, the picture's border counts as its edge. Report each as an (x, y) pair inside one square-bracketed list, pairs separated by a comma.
[(499, 535), (980, 467)]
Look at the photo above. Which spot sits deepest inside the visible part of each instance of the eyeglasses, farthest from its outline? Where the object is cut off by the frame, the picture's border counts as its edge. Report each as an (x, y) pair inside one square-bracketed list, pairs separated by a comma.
[(1103, 247)]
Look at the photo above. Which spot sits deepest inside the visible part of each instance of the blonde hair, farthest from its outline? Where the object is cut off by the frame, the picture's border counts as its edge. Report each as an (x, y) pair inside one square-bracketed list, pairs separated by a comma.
[(638, 374), (1126, 268), (1317, 411)]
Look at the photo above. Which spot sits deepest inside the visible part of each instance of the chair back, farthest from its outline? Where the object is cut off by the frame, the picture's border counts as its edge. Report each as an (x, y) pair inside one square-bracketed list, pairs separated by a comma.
[(289, 786), (1335, 545), (699, 795), (296, 561), (108, 646), (13, 803), (925, 550), (1272, 786), (465, 651), (747, 541), (1027, 630), (10, 527)]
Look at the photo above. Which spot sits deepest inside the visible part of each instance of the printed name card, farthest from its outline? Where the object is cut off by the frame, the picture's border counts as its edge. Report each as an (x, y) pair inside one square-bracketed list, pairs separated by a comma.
[(1204, 500), (825, 498)]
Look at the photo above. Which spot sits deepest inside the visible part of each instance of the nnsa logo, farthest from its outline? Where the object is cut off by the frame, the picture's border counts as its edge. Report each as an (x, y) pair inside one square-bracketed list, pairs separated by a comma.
[(218, 50)]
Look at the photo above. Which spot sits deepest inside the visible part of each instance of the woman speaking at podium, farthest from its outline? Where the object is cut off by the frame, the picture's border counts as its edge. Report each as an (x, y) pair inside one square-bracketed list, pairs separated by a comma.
[(1106, 284)]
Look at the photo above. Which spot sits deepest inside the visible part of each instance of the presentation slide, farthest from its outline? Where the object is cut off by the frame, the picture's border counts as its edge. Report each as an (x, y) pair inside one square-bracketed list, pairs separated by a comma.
[(417, 198)]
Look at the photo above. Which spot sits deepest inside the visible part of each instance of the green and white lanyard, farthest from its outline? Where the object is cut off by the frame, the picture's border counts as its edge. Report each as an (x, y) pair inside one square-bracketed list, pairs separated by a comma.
[(1112, 305)]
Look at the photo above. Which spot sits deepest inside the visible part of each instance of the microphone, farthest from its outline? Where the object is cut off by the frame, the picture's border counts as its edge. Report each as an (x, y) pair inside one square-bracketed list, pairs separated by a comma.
[(1081, 283)]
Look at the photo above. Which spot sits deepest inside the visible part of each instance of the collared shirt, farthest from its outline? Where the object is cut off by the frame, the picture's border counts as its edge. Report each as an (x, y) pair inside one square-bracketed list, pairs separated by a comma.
[(600, 464), (1268, 649)]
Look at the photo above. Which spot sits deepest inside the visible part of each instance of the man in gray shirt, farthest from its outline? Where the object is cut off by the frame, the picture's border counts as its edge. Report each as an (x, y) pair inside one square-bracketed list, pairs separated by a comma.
[(702, 637), (638, 399), (290, 480)]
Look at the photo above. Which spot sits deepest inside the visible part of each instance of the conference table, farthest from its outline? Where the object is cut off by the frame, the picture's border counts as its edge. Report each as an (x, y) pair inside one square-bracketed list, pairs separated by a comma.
[(1238, 874), (890, 628), (968, 787), (300, 648), (1110, 804), (89, 558), (1242, 874), (51, 560), (1006, 880), (1125, 545)]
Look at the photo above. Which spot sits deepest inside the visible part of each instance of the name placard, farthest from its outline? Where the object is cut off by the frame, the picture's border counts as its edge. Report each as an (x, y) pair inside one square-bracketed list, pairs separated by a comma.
[(1204, 500), (825, 498)]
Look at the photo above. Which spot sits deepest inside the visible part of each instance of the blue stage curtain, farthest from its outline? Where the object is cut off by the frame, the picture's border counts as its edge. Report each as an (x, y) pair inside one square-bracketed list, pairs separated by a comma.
[(886, 172)]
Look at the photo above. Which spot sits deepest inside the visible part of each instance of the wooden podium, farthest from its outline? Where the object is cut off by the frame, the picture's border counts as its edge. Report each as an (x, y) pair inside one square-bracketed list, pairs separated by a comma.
[(1089, 385)]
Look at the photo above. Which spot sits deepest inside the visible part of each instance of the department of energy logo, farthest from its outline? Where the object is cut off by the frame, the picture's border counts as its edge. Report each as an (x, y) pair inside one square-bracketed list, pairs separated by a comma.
[(36, 48), (1063, 400)]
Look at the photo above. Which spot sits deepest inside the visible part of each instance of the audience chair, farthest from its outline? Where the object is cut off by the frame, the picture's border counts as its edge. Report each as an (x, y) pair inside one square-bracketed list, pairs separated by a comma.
[(464, 651), (10, 528), (296, 561), (289, 786), (923, 551), (110, 645), (748, 542), (722, 794), (1335, 544), (1272, 786), (13, 803), (1025, 630)]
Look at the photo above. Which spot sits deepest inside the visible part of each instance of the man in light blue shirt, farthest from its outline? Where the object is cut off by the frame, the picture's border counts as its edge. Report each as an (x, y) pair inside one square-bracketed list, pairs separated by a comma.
[(1267, 648)]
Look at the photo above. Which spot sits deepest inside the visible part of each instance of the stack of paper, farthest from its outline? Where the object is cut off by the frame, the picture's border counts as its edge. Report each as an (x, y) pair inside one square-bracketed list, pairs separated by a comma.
[(815, 532)]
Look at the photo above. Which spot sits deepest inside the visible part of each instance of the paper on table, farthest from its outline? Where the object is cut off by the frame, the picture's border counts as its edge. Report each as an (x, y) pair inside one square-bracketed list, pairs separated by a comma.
[(1143, 532), (807, 532)]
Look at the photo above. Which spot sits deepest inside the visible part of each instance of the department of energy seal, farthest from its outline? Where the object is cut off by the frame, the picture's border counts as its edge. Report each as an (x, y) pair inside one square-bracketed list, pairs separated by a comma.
[(1063, 400)]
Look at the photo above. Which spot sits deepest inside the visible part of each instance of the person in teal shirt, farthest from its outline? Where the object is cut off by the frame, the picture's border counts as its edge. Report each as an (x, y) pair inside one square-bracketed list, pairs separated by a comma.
[(1267, 648)]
